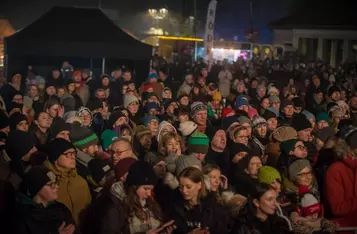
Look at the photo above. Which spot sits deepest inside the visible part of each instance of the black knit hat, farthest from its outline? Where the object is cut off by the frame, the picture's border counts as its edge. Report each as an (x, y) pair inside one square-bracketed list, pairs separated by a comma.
[(56, 148), (15, 119), (18, 144), (211, 132), (36, 178), (244, 163), (58, 126), (298, 102), (114, 117), (167, 103), (4, 119), (94, 104), (82, 137), (287, 102), (333, 89), (141, 173), (236, 148), (269, 115), (98, 168), (300, 122)]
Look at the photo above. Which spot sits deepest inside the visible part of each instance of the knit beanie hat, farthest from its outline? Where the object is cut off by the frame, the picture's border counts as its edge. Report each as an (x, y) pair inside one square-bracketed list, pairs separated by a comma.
[(147, 87), (211, 132), (141, 173), (167, 103), (129, 98), (82, 137), (4, 119), (141, 130), (244, 119), (236, 148), (309, 203), (198, 143), (18, 144), (287, 102), (252, 112), (68, 102), (15, 119), (36, 178), (274, 99), (40, 80), (153, 75), (94, 104), (226, 111), (241, 101), (196, 107), (228, 121), (99, 168), (58, 126), (244, 163), (284, 133), (148, 118), (300, 122), (287, 146), (268, 175), (56, 148), (309, 115), (150, 105), (187, 128), (332, 90), (114, 117), (322, 116), (161, 127), (258, 121), (107, 138), (272, 89), (275, 111), (335, 113), (325, 133), (122, 167), (269, 115), (296, 167), (298, 102), (184, 162)]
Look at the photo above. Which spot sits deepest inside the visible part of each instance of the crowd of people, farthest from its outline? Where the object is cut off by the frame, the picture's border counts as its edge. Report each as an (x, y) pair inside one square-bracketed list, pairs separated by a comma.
[(232, 152)]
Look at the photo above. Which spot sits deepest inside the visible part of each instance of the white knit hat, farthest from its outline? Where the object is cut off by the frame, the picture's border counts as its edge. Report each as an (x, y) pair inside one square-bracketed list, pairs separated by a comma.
[(308, 202), (187, 128), (129, 98), (162, 125)]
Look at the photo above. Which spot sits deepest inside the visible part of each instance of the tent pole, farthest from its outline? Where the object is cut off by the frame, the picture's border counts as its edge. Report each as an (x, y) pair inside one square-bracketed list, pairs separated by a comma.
[(103, 65)]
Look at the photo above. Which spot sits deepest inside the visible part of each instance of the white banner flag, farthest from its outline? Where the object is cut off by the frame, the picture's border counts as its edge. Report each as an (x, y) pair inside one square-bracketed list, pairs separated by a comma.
[(211, 15)]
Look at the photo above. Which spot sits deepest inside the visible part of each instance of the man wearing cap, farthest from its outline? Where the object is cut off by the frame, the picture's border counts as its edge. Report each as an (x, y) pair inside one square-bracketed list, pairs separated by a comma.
[(199, 115), (275, 102), (86, 143), (287, 112), (73, 189), (198, 145), (37, 210)]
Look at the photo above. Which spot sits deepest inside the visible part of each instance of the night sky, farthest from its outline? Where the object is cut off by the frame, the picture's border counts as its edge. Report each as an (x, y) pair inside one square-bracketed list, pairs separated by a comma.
[(232, 19)]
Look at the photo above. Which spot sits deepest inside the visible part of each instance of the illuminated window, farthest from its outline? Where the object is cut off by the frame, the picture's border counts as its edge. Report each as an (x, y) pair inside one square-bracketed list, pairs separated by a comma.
[(1, 55)]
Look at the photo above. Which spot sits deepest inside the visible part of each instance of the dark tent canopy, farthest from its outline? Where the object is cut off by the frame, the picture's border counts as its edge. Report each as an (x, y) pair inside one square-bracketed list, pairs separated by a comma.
[(75, 32)]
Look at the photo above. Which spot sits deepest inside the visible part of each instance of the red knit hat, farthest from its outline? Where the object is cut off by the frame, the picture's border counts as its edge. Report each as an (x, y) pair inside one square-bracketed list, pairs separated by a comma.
[(122, 167), (308, 202), (226, 111), (147, 87)]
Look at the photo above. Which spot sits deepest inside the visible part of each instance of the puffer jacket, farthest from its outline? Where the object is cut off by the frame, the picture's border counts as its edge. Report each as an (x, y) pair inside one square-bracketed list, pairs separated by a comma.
[(73, 190)]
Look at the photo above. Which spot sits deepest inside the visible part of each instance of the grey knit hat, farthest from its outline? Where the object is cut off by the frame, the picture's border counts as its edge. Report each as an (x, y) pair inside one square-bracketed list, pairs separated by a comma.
[(82, 137), (184, 162), (297, 166), (196, 107)]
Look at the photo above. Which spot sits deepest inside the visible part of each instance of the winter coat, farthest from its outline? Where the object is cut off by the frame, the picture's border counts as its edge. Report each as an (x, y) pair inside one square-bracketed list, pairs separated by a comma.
[(208, 214), (220, 159), (225, 78), (242, 182), (40, 137), (341, 191), (73, 190), (34, 218)]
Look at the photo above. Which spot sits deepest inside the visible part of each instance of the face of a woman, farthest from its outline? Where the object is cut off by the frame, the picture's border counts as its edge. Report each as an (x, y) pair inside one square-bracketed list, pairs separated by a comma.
[(267, 203), (33, 91), (44, 120), (272, 124), (153, 126), (133, 108), (184, 101), (71, 87), (172, 146), (53, 111), (242, 137), (67, 160), (86, 119), (253, 167), (215, 179), (262, 130), (189, 189), (144, 192), (265, 103), (126, 134), (300, 150), (23, 126), (304, 177)]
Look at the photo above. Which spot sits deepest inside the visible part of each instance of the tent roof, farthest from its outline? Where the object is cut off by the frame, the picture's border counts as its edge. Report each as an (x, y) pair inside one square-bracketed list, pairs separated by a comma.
[(81, 32), (6, 28)]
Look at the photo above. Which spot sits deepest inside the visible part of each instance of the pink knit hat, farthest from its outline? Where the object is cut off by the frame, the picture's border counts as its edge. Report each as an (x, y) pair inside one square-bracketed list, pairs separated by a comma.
[(252, 112)]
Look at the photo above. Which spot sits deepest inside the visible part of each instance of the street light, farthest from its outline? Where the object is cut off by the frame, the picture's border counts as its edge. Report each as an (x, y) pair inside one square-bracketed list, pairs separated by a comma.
[(158, 14)]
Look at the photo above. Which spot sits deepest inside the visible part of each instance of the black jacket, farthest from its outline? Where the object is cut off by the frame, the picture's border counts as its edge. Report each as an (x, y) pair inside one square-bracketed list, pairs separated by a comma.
[(33, 218), (242, 182), (208, 214), (220, 159)]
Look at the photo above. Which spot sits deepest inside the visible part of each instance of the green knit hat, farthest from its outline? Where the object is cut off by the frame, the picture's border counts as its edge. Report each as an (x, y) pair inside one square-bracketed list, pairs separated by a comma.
[(107, 138), (287, 146), (322, 116), (82, 137), (198, 143), (268, 175)]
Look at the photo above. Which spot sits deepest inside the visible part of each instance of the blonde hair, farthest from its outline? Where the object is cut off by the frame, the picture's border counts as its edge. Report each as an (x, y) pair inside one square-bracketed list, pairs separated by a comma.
[(164, 139)]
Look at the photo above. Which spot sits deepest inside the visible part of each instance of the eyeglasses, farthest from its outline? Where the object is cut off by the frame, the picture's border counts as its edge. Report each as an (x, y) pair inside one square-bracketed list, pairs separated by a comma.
[(120, 152), (305, 175), (300, 147), (70, 154)]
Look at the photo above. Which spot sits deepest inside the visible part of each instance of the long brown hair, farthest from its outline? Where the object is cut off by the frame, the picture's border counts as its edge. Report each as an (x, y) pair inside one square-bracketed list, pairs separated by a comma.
[(196, 176), (133, 207)]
